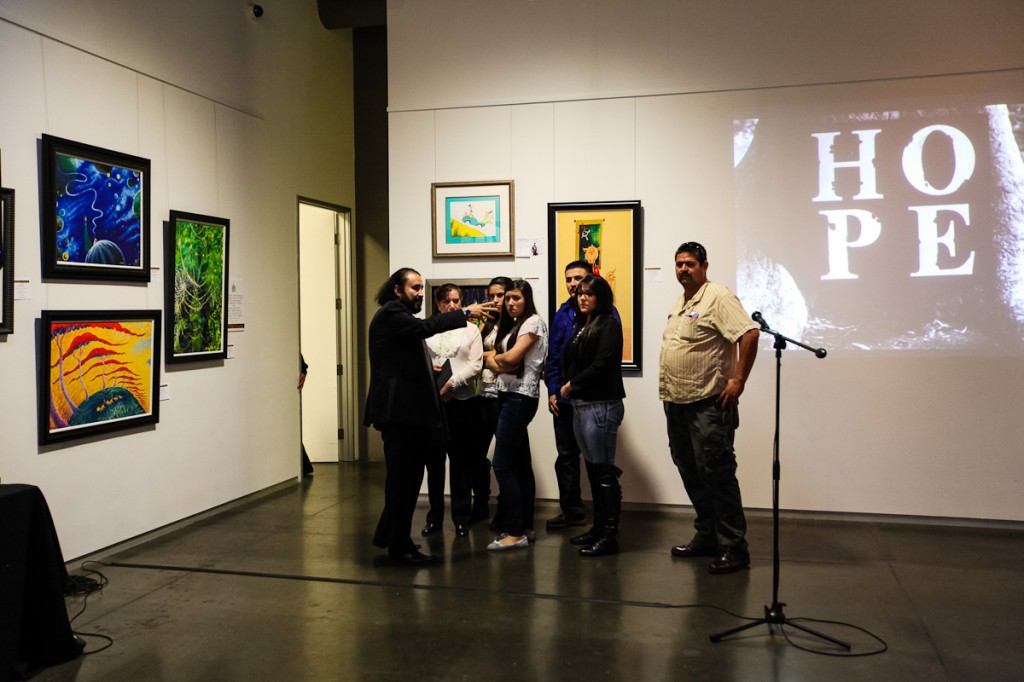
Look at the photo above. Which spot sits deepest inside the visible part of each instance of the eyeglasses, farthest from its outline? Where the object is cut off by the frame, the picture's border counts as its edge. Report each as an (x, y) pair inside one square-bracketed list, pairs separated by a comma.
[(696, 249)]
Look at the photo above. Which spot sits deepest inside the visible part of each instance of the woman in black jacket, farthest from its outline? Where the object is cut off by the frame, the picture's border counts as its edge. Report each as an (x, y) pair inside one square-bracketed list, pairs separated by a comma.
[(592, 363)]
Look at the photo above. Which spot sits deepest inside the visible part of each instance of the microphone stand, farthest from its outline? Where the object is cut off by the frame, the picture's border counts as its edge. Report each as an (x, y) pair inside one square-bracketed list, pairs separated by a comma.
[(774, 615)]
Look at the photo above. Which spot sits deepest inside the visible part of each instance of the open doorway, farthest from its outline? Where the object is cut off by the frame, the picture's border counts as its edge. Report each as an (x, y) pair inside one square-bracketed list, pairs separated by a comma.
[(326, 322)]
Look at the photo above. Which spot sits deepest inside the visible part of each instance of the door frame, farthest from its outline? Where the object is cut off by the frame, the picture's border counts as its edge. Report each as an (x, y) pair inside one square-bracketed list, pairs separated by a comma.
[(345, 322)]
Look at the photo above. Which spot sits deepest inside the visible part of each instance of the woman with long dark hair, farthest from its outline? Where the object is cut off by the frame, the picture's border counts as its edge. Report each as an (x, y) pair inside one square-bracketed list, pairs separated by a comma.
[(518, 361), (592, 365), (488, 400)]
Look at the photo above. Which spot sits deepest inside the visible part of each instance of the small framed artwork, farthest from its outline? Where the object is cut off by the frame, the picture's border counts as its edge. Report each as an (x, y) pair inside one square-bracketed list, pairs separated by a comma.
[(473, 290), (95, 213), (607, 235), (6, 261), (473, 218), (99, 371), (195, 300)]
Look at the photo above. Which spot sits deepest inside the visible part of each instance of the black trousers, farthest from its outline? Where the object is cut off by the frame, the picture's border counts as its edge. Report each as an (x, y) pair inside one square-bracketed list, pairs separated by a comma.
[(567, 464), (406, 449), (482, 465), (700, 437), (464, 424)]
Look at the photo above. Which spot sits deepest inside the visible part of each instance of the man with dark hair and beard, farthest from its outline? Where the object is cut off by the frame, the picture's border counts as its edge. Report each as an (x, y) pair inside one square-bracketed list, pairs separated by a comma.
[(403, 402)]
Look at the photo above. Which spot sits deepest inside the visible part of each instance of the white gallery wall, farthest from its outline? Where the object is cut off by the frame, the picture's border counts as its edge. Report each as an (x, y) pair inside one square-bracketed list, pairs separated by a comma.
[(601, 100), (239, 117)]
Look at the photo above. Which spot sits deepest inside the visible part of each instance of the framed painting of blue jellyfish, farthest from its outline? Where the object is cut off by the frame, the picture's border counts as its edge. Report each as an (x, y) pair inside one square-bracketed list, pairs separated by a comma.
[(473, 218), (95, 213), (99, 371)]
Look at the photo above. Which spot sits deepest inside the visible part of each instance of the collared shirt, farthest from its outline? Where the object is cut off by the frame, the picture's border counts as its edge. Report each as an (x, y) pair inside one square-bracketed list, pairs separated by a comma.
[(562, 329), (698, 348)]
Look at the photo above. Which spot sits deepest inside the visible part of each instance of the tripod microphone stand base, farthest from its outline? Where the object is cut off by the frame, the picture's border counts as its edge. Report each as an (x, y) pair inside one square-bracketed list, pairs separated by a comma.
[(773, 615)]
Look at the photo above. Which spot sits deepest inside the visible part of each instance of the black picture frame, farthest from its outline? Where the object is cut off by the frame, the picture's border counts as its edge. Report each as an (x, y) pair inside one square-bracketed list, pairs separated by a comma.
[(616, 255), (474, 290), (88, 230), (99, 372), (196, 257), (6, 261)]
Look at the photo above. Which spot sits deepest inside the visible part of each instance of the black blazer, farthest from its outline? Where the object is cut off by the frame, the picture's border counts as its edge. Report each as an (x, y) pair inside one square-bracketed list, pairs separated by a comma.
[(592, 363), (402, 386)]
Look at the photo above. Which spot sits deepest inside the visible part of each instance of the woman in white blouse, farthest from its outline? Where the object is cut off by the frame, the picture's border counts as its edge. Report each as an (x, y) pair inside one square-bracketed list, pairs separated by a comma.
[(518, 360), (463, 349)]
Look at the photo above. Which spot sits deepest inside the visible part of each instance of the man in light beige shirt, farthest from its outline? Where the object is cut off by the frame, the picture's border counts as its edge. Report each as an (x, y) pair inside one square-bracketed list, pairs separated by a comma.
[(707, 352)]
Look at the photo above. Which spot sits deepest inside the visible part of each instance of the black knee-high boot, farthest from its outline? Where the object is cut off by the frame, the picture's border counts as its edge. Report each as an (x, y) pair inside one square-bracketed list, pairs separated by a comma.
[(591, 536), (610, 493)]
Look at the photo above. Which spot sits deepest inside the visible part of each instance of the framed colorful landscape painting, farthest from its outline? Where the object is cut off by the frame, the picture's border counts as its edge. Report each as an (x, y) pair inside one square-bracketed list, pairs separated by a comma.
[(473, 218), (95, 213), (195, 298), (608, 236), (99, 371)]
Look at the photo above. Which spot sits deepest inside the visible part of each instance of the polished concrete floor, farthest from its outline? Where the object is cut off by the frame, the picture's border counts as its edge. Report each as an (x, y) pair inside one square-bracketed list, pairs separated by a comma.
[(286, 586)]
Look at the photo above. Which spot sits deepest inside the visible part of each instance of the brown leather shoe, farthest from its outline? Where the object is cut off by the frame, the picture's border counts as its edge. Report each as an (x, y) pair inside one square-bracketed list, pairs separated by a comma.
[(730, 561), (696, 547)]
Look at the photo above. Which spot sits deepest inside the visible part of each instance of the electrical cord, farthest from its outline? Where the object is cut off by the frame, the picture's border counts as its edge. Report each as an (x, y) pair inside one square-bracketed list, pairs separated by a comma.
[(84, 586), (885, 645), (782, 628), (534, 595)]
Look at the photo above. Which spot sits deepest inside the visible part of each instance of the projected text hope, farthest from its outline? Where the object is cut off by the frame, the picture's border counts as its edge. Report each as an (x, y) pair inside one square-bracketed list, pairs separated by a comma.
[(937, 224)]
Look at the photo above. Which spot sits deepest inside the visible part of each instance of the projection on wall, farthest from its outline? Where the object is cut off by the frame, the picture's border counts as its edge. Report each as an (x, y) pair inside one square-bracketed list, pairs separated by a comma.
[(885, 230)]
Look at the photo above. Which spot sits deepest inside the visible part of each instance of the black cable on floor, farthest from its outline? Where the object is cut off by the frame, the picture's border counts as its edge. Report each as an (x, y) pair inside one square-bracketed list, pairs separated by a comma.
[(885, 645), (480, 590), (84, 586)]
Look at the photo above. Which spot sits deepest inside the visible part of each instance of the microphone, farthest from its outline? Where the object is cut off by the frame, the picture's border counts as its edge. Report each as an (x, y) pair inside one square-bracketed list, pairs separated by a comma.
[(759, 318)]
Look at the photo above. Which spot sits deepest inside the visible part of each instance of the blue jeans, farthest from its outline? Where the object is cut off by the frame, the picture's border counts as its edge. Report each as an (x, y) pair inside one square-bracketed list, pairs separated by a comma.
[(512, 466), (596, 426)]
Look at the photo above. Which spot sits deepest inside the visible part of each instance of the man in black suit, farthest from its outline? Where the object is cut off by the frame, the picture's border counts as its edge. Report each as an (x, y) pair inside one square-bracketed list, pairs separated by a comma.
[(403, 403)]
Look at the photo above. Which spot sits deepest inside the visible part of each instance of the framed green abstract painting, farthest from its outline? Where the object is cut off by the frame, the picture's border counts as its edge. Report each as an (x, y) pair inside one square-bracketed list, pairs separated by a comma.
[(195, 295)]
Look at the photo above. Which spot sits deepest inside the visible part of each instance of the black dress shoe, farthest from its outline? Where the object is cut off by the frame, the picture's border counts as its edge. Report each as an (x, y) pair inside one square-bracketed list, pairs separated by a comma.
[(431, 527), (603, 546), (729, 561), (588, 538), (383, 544), (563, 521), (461, 530), (415, 557), (696, 547)]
